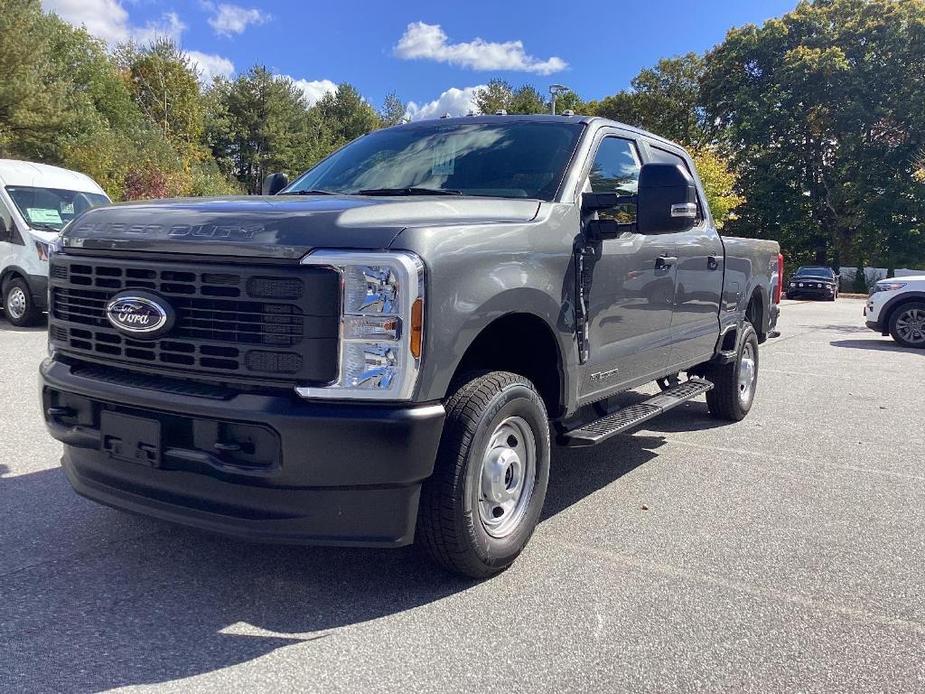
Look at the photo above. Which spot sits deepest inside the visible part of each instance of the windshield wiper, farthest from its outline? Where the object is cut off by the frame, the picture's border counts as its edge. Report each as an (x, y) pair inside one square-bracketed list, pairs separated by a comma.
[(42, 226), (408, 191), (313, 191)]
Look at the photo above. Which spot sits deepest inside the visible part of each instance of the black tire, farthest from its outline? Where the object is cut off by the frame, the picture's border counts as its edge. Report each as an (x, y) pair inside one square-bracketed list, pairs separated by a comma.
[(18, 305), (910, 312), (450, 521), (726, 400)]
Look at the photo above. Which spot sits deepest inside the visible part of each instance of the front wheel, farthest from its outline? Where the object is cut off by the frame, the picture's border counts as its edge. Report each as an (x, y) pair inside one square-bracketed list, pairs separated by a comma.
[(734, 384), (480, 507), (907, 324), (18, 304)]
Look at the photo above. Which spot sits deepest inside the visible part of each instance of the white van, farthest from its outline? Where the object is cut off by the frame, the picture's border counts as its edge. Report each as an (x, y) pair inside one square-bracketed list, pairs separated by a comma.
[(36, 202)]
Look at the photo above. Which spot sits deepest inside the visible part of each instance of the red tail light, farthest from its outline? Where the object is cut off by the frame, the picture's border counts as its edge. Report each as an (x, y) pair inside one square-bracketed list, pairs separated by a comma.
[(780, 278)]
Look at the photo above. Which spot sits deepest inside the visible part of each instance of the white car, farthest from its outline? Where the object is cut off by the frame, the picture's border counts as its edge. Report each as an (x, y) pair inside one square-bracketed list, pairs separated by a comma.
[(897, 307), (36, 202)]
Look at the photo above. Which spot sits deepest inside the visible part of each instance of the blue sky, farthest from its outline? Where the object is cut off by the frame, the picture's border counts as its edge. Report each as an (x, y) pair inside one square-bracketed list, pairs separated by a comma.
[(434, 54)]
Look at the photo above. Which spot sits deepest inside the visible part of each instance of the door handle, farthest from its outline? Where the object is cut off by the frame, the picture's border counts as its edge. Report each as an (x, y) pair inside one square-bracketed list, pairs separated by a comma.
[(663, 262), (712, 262)]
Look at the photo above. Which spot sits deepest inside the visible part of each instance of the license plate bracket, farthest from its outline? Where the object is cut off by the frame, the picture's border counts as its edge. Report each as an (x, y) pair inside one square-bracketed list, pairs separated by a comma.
[(130, 438)]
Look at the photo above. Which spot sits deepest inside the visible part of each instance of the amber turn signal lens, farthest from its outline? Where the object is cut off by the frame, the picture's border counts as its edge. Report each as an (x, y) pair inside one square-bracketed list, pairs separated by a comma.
[(417, 327)]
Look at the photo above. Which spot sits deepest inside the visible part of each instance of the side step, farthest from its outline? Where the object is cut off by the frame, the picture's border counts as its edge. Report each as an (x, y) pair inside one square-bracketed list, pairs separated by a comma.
[(628, 417)]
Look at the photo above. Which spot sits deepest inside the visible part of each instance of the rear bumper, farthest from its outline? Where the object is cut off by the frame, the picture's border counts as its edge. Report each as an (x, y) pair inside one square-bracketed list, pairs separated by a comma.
[(304, 472)]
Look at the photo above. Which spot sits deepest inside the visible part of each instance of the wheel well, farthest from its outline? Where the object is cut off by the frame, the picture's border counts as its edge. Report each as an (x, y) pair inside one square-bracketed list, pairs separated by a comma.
[(523, 344), (6, 277), (754, 314), (885, 321)]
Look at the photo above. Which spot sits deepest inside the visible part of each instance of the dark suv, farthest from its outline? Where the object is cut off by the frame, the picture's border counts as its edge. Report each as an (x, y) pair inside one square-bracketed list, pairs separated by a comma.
[(813, 282)]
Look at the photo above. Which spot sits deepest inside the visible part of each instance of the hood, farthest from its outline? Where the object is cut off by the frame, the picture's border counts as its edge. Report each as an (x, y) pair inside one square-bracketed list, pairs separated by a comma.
[(280, 226)]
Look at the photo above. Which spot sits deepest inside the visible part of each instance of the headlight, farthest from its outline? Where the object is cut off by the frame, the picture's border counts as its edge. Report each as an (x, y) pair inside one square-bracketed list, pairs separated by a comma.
[(888, 286), (43, 250), (382, 330)]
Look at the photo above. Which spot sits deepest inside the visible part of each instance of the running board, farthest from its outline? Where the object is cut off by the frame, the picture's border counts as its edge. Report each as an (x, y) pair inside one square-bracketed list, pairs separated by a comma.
[(628, 417)]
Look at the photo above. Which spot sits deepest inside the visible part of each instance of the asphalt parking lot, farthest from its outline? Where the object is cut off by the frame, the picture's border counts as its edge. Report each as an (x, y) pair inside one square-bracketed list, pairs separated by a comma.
[(785, 552)]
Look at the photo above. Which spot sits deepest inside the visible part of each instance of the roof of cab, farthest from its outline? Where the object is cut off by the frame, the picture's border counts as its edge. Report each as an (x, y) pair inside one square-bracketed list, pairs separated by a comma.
[(26, 173), (541, 118)]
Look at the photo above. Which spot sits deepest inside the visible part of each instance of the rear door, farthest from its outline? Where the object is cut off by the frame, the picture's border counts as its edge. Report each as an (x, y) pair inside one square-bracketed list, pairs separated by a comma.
[(699, 282), (630, 291)]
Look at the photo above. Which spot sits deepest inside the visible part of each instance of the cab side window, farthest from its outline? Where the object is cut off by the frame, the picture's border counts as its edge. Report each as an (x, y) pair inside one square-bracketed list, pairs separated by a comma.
[(616, 170), (662, 156)]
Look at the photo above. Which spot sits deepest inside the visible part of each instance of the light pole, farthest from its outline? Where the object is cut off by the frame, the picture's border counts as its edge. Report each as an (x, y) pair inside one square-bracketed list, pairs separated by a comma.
[(554, 91)]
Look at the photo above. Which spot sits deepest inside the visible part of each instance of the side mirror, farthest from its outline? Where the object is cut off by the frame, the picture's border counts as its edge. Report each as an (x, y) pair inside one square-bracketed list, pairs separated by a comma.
[(4, 231), (667, 199), (274, 183)]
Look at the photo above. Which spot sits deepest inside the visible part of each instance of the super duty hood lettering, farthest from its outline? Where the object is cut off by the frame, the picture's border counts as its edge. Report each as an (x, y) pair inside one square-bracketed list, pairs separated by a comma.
[(277, 227)]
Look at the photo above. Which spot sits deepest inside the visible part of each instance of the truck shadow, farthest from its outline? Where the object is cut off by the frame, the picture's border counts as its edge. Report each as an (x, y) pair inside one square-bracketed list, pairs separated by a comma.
[(882, 345), (94, 599)]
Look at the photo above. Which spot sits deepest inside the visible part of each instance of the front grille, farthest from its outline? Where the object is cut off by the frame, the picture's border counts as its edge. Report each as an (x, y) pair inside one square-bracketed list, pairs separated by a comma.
[(277, 322)]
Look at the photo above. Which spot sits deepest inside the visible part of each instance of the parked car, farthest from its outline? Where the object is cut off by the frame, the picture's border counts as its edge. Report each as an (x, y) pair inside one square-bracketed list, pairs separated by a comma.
[(813, 282), (36, 203), (383, 351), (896, 307)]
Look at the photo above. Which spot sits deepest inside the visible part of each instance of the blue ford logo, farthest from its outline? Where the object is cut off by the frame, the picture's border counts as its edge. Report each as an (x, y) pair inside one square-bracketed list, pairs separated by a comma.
[(140, 313)]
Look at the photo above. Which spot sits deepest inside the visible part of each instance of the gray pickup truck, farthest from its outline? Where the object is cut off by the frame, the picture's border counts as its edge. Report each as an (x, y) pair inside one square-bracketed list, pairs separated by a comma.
[(385, 349)]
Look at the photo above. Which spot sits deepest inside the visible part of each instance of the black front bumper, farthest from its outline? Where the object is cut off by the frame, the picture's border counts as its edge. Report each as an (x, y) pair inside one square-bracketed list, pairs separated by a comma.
[(266, 467), (811, 293)]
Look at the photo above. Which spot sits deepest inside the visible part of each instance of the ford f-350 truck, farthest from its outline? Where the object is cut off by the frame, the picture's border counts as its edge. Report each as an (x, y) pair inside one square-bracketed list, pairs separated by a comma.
[(385, 349)]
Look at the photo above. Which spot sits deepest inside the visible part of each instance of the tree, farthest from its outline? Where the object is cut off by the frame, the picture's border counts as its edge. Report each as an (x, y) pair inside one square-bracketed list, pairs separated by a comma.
[(719, 183), (494, 97), (526, 99), (665, 100), (393, 111), (823, 112), (347, 113), (258, 124), (30, 91), (166, 88)]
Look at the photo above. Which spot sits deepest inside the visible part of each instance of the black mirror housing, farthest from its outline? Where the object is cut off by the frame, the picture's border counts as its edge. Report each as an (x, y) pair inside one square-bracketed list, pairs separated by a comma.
[(667, 199), (274, 183)]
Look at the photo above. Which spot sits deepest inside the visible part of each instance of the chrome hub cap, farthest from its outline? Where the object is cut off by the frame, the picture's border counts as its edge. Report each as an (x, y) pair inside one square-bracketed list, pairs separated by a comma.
[(747, 373), (16, 302), (507, 477), (910, 326)]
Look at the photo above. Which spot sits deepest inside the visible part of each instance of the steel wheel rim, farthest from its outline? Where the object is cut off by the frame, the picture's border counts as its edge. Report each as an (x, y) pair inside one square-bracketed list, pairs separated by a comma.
[(910, 325), (747, 373), (507, 477), (16, 302)]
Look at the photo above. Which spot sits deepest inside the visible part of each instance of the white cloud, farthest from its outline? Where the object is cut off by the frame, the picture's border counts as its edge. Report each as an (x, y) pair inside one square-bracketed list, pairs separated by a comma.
[(228, 20), (456, 102), (209, 65), (430, 42), (108, 20), (313, 91)]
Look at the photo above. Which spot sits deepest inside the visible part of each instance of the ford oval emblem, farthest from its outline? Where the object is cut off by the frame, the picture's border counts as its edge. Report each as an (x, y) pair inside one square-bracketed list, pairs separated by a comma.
[(140, 314)]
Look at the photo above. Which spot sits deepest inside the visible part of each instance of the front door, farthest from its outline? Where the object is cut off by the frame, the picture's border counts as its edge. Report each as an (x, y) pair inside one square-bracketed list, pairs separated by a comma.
[(630, 291)]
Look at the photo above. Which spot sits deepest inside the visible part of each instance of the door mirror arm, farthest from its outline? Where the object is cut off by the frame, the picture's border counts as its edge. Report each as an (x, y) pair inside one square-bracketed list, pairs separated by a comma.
[(603, 229)]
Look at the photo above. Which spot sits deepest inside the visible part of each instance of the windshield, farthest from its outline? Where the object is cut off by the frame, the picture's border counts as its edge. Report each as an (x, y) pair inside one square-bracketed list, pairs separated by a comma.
[(49, 209), (815, 272), (510, 160)]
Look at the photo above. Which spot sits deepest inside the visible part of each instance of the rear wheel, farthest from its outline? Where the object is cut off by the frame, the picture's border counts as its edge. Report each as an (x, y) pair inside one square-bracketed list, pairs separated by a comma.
[(18, 303), (734, 384), (907, 324), (480, 507)]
